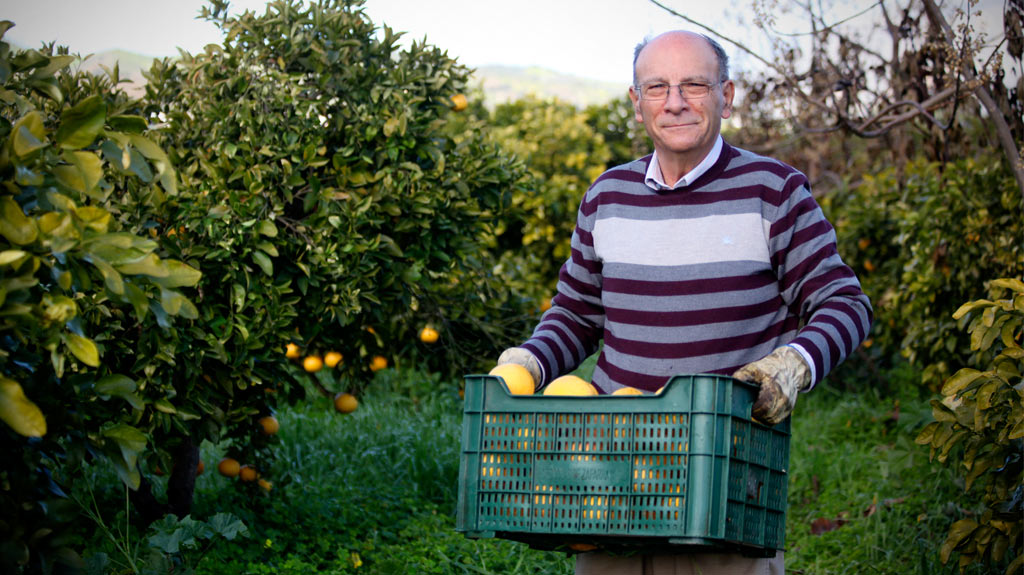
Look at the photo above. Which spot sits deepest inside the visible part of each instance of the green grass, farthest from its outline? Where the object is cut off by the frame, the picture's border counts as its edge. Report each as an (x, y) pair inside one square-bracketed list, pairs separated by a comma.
[(374, 491)]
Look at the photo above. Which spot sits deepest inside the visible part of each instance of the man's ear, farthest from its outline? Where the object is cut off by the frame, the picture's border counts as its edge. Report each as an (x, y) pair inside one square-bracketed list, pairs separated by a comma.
[(728, 93), (635, 98)]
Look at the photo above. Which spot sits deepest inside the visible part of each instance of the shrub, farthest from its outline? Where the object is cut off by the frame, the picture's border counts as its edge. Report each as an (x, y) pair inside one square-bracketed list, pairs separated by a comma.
[(979, 426)]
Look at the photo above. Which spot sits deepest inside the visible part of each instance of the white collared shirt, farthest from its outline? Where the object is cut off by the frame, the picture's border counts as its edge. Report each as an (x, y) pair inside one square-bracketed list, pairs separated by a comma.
[(654, 179)]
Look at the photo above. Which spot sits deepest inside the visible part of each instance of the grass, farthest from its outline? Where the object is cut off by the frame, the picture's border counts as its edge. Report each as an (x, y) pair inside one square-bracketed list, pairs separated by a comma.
[(374, 491)]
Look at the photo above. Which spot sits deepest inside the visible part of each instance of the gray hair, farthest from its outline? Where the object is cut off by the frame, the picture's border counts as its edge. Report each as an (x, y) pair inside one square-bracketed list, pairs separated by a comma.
[(720, 55)]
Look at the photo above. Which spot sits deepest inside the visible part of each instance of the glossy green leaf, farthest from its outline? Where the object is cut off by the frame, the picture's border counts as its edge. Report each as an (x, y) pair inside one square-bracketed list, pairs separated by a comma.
[(111, 277), (148, 265), (83, 348), (13, 257), (263, 260), (129, 440), (960, 380), (267, 228), (957, 533), (119, 248), (89, 166), (18, 411), (80, 125), (128, 123), (177, 304), (14, 225), (115, 385), (28, 134), (178, 275)]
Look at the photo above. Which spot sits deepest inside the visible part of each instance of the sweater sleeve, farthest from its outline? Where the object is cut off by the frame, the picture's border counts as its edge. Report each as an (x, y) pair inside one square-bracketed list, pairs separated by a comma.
[(571, 330), (835, 313)]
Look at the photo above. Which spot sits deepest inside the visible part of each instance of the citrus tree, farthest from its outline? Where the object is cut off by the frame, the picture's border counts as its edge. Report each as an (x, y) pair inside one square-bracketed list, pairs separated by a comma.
[(564, 154), (78, 280), (328, 205), (979, 427)]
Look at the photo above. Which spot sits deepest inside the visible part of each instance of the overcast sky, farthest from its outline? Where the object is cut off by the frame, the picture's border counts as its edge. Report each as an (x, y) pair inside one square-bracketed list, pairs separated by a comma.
[(588, 38)]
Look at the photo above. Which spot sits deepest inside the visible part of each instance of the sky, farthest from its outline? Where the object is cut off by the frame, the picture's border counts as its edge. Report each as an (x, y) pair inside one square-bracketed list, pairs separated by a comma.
[(587, 38)]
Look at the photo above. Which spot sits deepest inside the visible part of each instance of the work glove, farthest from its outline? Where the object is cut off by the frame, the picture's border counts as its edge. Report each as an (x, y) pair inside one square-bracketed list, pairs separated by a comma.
[(781, 375), (525, 359)]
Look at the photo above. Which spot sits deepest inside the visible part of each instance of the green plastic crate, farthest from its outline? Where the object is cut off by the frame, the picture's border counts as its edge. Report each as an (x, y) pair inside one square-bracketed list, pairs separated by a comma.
[(685, 469)]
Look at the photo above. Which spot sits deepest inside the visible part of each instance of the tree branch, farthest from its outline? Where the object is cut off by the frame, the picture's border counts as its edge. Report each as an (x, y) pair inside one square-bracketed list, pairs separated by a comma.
[(1002, 128)]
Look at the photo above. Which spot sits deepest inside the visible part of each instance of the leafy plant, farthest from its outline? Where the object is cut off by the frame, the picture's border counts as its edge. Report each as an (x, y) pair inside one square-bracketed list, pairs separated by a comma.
[(77, 282), (979, 424)]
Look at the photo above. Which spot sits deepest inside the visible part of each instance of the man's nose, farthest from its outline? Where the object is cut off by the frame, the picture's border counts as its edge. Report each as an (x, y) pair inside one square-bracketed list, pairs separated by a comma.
[(675, 100)]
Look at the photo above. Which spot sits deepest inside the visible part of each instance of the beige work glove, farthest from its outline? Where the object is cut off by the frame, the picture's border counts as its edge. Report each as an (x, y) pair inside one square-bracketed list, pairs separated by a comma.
[(781, 375), (523, 358)]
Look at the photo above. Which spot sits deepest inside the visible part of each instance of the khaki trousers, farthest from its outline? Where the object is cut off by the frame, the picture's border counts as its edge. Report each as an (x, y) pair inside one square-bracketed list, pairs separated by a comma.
[(684, 564)]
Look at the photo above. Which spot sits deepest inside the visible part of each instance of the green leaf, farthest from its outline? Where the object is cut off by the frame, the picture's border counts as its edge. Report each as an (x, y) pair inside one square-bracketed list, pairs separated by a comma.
[(1013, 284), (165, 406), (175, 303), (14, 225), (148, 265), (18, 411), (28, 134), (12, 257), (130, 440), (139, 299), (119, 248), (960, 380), (263, 260), (926, 435), (126, 123), (89, 166), (267, 228), (228, 526), (957, 533), (179, 274), (83, 348), (80, 125), (115, 385), (111, 277)]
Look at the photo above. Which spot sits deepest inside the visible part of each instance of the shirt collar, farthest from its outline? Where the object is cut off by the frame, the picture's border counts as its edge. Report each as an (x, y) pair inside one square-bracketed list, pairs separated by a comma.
[(654, 180)]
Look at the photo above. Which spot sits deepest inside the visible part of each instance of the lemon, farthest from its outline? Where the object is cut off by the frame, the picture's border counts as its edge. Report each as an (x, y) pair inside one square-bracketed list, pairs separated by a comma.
[(627, 391)]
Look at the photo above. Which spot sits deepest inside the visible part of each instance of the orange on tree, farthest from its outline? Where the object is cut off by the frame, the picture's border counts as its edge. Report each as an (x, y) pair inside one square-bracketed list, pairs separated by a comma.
[(247, 473), (517, 378), (459, 102), (429, 335), (291, 351), (345, 402), (229, 467), (332, 358), (265, 485), (312, 363), (268, 425), (570, 385), (200, 468), (378, 363)]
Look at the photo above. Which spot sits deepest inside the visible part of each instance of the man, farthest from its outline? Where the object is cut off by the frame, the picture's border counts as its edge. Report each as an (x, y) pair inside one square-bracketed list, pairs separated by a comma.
[(701, 258)]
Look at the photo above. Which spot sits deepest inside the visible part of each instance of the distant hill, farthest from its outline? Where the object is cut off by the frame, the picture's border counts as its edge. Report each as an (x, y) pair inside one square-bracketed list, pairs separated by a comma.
[(499, 83), (504, 83)]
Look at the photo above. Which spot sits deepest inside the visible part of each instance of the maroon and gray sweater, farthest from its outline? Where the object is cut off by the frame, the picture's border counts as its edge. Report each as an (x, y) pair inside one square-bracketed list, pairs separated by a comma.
[(700, 279)]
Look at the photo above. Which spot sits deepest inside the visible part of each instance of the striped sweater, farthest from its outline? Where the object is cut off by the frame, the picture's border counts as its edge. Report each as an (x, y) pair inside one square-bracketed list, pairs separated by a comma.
[(700, 279)]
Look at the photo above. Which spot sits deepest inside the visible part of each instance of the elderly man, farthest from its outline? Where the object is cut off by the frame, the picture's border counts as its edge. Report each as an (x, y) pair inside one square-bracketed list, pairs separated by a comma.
[(700, 258)]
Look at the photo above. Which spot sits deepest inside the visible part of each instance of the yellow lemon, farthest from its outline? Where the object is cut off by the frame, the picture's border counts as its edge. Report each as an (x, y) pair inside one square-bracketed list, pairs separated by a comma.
[(517, 378), (627, 391), (570, 385)]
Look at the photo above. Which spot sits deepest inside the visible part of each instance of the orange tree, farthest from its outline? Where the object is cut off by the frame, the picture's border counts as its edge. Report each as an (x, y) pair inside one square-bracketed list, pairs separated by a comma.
[(564, 154), (328, 205), (77, 280)]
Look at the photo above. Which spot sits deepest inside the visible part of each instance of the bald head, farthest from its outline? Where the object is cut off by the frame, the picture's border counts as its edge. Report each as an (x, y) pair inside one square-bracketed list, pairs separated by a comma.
[(675, 36)]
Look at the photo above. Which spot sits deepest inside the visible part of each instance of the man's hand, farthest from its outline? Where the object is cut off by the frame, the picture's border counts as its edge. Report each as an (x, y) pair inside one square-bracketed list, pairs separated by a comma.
[(781, 374), (523, 358)]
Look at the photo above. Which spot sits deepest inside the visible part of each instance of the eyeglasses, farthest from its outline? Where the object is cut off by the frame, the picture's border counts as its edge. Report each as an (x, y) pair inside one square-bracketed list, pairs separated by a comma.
[(654, 91)]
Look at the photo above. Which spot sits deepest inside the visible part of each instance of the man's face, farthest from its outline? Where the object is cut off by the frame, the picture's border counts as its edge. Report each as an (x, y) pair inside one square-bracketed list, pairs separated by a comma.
[(683, 130)]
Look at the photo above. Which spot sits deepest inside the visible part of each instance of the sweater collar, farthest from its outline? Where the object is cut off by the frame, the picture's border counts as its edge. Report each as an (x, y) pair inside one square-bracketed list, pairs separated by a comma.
[(655, 181)]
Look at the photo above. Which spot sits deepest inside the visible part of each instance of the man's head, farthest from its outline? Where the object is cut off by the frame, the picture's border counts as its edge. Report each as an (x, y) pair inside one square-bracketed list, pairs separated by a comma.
[(685, 122)]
